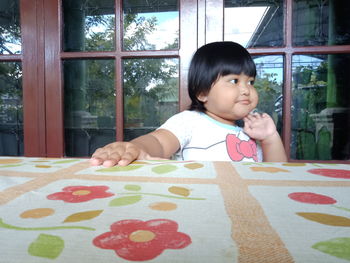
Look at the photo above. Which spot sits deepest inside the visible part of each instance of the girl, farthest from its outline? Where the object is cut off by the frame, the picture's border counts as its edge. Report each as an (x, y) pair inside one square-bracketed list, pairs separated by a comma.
[(221, 88)]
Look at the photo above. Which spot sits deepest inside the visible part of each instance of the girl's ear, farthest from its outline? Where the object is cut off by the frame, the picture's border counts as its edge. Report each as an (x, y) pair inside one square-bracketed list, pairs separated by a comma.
[(202, 98)]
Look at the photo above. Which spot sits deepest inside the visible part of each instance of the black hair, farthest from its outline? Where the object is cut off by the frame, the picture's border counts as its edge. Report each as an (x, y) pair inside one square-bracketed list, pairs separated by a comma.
[(212, 61)]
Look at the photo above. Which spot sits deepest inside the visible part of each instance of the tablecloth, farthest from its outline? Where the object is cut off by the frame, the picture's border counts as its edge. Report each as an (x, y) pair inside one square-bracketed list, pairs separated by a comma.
[(64, 210)]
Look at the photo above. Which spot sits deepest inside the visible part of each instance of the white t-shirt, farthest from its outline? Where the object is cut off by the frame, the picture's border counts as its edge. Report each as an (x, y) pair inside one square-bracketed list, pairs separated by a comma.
[(203, 138)]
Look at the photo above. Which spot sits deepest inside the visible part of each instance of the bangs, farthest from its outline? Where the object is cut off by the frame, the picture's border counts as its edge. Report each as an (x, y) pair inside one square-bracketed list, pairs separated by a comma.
[(235, 65)]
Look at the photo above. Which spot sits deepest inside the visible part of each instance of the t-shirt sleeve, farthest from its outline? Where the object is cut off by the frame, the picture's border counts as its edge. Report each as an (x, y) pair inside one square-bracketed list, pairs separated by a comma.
[(181, 126)]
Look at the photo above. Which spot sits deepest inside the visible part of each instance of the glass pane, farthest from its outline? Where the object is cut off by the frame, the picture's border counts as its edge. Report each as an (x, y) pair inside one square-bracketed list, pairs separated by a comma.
[(319, 23), (11, 109), (88, 25), (151, 88), (150, 25), (89, 98), (321, 107), (10, 31), (268, 83), (254, 23)]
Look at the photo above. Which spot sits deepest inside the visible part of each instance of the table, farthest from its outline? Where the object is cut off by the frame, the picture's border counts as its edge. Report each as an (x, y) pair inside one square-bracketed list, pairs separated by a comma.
[(63, 210)]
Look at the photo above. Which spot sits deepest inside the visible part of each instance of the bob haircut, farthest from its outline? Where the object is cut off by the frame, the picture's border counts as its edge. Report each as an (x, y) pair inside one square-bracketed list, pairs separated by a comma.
[(215, 60)]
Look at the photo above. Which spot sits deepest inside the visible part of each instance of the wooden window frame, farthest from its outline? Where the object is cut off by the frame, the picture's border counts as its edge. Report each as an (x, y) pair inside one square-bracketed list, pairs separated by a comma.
[(42, 34)]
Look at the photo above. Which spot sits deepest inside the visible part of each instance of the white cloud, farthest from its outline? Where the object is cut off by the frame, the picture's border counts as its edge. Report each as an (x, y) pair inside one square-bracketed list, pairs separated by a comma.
[(166, 33)]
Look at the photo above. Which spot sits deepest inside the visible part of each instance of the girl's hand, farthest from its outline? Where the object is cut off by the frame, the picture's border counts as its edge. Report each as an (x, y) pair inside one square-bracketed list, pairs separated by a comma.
[(118, 153), (156, 145), (262, 128), (259, 126)]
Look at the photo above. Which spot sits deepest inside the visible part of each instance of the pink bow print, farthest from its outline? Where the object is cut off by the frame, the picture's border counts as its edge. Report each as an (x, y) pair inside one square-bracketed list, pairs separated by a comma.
[(238, 149)]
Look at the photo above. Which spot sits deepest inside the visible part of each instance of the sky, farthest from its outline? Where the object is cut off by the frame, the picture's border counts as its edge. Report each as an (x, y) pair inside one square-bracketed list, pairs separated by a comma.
[(167, 29), (241, 23)]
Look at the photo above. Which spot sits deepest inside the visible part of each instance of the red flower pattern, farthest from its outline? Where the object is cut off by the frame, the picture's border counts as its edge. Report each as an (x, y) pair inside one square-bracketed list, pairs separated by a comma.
[(78, 194), (137, 240)]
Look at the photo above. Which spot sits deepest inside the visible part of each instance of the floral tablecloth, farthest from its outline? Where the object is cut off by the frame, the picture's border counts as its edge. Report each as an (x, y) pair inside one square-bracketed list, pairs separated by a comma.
[(63, 210)]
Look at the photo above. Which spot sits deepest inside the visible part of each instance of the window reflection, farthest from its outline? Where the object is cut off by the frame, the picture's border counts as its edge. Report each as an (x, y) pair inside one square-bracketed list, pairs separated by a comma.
[(89, 98), (10, 31), (268, 84), (150, 94), (318, 22), (150, 25), (254, 23), (88, 25), (11, 109), (321, 107)]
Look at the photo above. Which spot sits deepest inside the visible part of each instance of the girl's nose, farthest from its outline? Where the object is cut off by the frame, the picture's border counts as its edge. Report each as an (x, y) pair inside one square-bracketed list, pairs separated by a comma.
[(244, 90)]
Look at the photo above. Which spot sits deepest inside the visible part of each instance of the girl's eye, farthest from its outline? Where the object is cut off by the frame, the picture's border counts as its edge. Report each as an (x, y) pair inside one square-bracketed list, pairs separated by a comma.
[(251, 82), (234, 81)]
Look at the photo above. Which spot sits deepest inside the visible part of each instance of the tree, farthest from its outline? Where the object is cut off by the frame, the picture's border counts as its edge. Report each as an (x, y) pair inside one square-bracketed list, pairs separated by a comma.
[(10, 31), (146, 81)]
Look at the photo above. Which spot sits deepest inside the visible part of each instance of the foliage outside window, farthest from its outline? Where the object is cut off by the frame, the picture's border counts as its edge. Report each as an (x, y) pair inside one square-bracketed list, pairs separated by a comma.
[(11, 109), (268, 83), (88, 25), (150, 85), (320, 107), (10, 30), (150, 25)]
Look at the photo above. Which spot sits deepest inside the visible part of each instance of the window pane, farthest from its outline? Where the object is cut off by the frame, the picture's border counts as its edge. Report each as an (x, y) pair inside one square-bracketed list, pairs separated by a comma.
[(321, 22), (11, 109), (321, 107), (150, 25), (151, 88), (254, 23), (268, 83), (10, 31), (88, 25), (89, 98)]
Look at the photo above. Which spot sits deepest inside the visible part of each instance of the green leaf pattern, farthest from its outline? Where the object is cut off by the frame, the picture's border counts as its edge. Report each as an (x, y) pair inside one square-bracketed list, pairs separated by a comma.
[(125, 200), (46, 246), (337, 247)]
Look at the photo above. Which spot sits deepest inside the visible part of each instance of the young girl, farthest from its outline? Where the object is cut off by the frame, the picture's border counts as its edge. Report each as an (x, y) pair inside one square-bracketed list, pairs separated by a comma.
[(221, 88)]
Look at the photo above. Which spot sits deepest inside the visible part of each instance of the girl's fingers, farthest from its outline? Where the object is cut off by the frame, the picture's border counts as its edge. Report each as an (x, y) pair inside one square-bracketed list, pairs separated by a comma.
[(253, 116), (110, 163), (126, 159), (95, 161)]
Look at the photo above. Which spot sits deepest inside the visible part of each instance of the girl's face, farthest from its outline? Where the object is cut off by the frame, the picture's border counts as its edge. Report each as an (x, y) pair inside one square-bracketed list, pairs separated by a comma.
[(230, 98)]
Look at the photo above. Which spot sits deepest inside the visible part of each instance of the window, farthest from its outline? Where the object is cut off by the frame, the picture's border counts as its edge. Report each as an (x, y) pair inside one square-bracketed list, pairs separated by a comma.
[(11, 103), (310, 43), (144, 87), (254, 23), (113, 70), (320, 100)]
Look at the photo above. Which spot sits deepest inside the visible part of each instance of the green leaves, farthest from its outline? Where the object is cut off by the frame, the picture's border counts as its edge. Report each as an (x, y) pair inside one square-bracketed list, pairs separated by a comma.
[(158, 168), (8, 226), (164, 168), (125, 200), (120, 168), (66, 161), (46, 246), (338, 247), (132, 187)]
